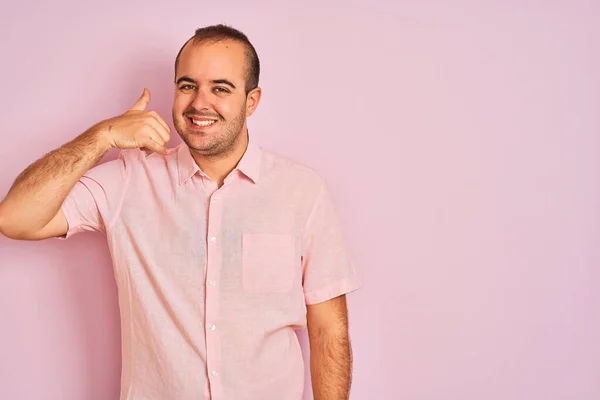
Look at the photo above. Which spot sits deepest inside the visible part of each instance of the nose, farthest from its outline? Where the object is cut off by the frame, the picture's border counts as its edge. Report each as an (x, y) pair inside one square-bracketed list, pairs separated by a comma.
[(202, 100)]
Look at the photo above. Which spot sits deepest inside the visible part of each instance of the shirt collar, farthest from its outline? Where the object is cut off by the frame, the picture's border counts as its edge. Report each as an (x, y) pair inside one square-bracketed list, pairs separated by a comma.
[(249, 164)]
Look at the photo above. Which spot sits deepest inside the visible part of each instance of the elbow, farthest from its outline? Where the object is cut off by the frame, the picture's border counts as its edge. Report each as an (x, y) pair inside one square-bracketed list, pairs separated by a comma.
[(7, 229), (14, 234), (2, 221)]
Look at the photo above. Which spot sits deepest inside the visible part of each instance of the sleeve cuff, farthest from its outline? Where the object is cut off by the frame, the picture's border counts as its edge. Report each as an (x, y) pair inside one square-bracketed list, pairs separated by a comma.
[(329, 292), (72, 219)]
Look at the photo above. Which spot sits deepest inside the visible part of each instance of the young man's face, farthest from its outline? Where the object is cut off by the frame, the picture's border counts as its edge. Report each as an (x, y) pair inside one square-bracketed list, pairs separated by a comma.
[(210, 105)]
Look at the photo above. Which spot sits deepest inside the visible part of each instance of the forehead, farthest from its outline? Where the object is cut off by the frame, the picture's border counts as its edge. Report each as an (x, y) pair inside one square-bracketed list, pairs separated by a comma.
[(213, 60)]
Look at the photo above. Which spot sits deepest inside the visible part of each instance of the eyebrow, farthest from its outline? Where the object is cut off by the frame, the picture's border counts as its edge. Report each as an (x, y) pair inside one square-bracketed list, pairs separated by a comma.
[(223, 82), (184, 79), (214, 81)]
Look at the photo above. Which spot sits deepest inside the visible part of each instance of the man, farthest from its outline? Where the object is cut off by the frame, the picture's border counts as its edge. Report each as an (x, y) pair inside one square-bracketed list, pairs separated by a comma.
[(220, 249)]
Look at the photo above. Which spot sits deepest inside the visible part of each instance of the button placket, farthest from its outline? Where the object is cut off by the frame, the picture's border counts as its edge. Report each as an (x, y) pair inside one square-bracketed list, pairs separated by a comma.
[(214, 260)]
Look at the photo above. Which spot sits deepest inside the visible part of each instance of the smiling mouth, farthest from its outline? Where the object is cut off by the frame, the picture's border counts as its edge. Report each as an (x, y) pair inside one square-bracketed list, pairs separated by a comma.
[(203, 122)]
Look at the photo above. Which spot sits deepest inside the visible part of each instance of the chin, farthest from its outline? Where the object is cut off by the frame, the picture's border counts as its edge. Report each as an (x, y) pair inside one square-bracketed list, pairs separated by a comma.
[(200, 144)]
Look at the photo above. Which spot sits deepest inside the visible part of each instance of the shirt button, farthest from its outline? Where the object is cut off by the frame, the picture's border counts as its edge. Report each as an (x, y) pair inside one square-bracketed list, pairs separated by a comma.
[(213, 239), (212, 283), (213, 327), (214, 373)]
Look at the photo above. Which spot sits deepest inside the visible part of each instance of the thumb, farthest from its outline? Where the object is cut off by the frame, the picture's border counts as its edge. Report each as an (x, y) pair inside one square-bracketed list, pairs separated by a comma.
[(142, 102)]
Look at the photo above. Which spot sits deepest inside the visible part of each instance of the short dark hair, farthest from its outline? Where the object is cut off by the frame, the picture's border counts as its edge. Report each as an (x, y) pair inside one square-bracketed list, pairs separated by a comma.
[(216, 33)]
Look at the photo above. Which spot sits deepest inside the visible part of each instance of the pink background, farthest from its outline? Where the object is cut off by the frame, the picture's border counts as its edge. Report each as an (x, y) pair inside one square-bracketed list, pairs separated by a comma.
[(461, 143)]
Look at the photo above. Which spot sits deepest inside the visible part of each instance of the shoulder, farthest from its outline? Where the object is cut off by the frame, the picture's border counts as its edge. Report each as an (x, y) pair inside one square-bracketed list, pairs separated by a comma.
[(288, 169), (132, 163), (139, 159), (139, 156)]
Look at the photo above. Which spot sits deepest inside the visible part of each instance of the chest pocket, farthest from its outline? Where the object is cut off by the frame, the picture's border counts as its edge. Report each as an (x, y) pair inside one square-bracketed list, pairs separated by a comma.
[(268, 263)]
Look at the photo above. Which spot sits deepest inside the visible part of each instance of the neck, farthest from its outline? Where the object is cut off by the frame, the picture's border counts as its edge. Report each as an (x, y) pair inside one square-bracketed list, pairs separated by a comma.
[(219, 166)]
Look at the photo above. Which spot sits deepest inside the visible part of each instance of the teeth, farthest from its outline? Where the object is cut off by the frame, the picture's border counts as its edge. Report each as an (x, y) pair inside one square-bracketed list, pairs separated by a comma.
[(203, 123)]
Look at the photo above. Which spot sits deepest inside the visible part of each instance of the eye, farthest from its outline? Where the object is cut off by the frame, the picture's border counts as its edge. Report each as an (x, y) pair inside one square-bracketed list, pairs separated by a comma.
[(187, 87), (221, 90)]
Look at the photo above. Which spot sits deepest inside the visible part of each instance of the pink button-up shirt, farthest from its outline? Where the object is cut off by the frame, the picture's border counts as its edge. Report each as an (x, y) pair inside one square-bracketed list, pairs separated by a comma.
[(213, 282)]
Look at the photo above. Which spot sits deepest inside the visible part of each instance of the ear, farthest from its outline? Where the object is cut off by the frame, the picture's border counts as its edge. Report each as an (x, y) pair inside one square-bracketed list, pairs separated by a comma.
[(252, 100)]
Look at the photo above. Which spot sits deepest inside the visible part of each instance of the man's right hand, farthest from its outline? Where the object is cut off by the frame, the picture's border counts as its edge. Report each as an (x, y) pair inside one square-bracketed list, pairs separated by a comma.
[(136, 128), (32, 207)]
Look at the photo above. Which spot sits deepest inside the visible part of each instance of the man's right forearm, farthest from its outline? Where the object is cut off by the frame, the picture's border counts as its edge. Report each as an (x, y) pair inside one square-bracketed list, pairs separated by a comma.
[(39, 191)]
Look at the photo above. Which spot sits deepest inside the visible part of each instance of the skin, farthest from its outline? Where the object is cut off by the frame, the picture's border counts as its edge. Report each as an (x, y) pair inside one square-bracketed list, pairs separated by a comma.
[(201, 92), (31, 209), (330, 349), (210, 84)]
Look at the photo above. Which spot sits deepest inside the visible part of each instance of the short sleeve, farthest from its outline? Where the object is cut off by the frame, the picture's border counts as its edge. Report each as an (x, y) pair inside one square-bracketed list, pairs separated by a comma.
[(328, 270), (96, 198)]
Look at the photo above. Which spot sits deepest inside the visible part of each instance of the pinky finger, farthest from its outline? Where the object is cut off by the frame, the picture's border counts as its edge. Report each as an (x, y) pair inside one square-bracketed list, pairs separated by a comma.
[(151, 145)]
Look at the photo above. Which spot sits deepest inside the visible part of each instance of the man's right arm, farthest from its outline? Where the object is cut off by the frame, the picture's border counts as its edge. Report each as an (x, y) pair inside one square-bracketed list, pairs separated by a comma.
[(32, 207)]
